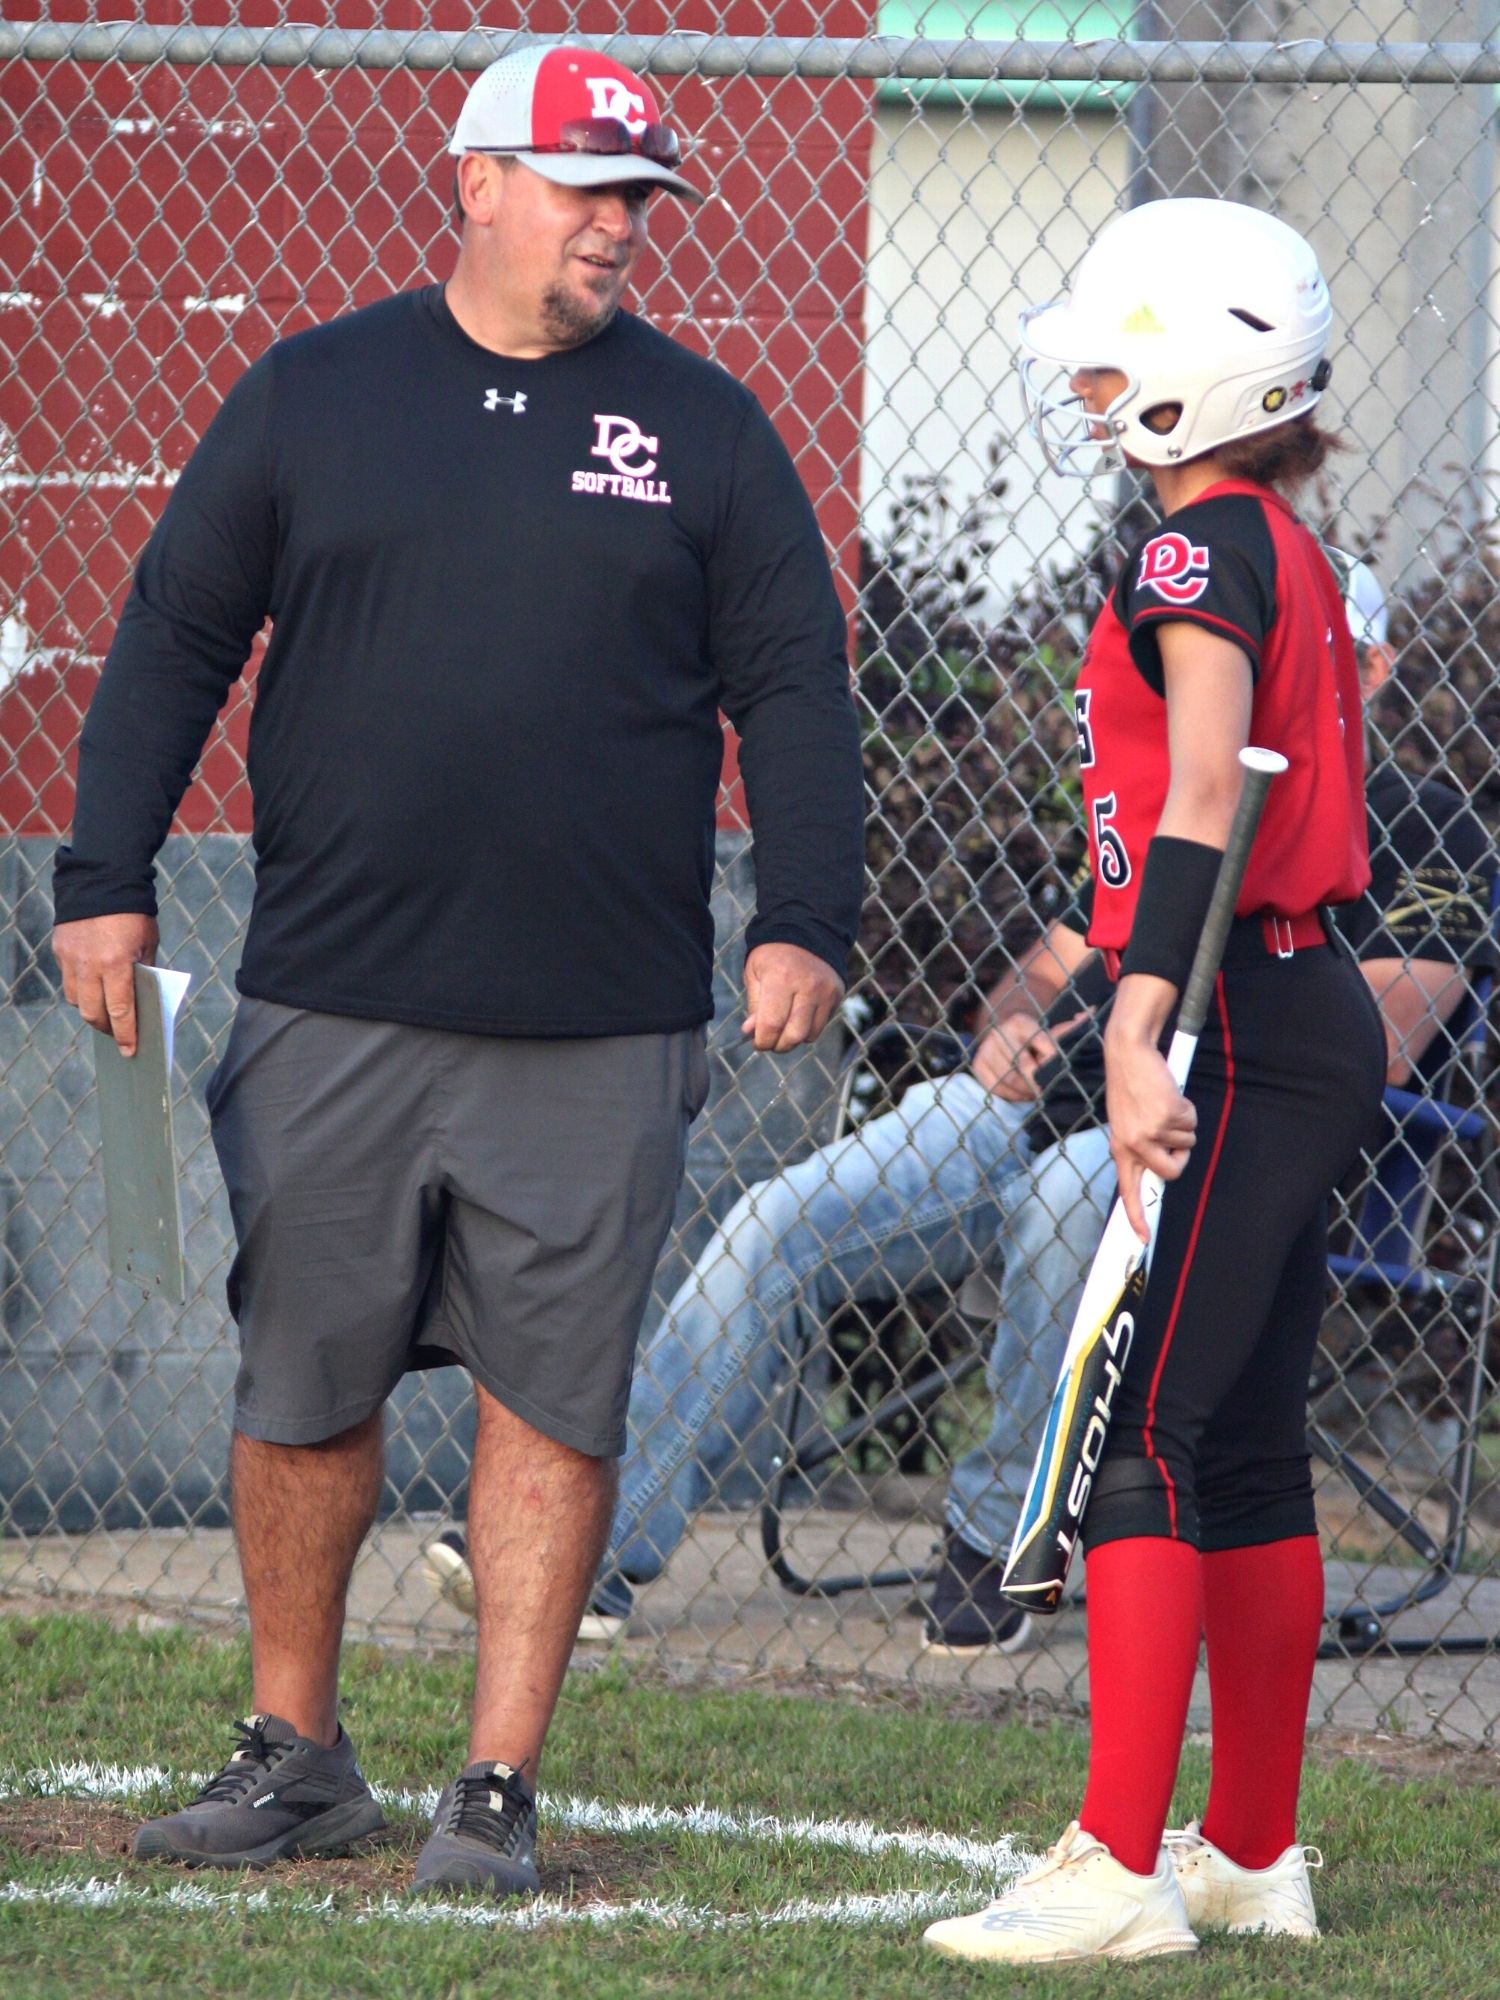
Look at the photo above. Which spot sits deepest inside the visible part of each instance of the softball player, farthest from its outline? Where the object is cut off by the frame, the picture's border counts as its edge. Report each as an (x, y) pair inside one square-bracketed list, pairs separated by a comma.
[(1193, 343)]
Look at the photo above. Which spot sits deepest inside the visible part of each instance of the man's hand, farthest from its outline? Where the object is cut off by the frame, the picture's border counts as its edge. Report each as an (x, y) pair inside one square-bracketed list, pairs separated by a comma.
[(792, 994), (1009, 1056), (97, 957)]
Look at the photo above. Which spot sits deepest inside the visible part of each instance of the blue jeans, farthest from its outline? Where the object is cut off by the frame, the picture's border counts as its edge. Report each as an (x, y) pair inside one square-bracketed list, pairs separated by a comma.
[(911, 1200), (1050, 1239)]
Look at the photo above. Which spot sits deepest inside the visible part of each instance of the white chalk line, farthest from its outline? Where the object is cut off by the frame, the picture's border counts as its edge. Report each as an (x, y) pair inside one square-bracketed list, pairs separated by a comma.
[(988, 1864), (903, 1906), (992, 1860)]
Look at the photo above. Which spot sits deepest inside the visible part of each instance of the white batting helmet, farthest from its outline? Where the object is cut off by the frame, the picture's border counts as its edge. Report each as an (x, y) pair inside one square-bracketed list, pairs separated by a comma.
[(1206, 304)]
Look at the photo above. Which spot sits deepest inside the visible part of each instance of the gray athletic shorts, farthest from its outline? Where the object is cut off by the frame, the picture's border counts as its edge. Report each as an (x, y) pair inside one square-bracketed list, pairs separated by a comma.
[(408, 1198)]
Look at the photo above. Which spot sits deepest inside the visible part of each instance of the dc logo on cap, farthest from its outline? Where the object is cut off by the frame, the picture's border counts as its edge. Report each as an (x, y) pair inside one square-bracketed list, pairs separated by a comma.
[(613, 98)]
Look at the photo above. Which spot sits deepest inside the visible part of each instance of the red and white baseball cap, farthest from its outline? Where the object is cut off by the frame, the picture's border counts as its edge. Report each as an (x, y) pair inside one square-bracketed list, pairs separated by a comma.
[(573, 117), (1364, 600)]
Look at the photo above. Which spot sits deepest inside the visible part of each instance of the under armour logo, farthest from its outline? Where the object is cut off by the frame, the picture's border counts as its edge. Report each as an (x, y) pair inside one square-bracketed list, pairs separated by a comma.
[(618, 439), (493, 399), (613, 98)]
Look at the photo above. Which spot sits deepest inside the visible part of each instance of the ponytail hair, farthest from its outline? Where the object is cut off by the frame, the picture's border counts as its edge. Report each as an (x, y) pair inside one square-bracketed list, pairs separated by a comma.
[(1285, 457)]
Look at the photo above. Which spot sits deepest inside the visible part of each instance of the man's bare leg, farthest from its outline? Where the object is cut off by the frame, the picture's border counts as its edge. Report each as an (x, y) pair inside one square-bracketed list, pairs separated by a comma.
[(539, 1516), (300, 1514)]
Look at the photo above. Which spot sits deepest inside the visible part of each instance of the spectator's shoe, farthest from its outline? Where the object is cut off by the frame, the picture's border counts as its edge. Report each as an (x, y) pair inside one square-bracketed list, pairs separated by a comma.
[(1080, 1904), (609, 1611), (483, 1835), (445, 1562), (279, 1795), (1219, 1894), (965, 1612)]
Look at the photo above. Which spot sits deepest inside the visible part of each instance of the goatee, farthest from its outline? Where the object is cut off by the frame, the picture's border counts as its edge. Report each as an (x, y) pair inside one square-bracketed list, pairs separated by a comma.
[(570, 321)]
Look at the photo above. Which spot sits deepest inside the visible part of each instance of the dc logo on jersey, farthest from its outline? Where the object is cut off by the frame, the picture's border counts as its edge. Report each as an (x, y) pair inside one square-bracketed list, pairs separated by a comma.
[(1175, 569), (632, 455), (619, 439)]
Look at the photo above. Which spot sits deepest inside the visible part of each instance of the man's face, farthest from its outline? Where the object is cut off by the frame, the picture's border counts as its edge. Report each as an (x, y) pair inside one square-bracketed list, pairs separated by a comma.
[(566, 253), (1376, 665)]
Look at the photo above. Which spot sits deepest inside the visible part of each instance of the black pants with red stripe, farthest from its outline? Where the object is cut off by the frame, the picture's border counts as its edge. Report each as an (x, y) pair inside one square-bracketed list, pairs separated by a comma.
[(1209, 1439)]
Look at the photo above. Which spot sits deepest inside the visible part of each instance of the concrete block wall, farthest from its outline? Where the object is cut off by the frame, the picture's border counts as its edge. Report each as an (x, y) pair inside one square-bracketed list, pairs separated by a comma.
[(114, 1409)]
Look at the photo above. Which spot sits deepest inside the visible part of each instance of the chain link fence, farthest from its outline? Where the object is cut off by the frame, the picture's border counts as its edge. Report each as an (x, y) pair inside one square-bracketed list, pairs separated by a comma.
[(857, 1222)]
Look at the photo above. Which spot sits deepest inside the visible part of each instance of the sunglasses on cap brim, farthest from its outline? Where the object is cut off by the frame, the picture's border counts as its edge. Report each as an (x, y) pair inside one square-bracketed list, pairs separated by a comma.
[(610, 138)]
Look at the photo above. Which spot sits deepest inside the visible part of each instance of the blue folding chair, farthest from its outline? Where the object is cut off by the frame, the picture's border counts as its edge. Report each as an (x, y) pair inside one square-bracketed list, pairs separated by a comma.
[(876, 1066), (1387, 1267)]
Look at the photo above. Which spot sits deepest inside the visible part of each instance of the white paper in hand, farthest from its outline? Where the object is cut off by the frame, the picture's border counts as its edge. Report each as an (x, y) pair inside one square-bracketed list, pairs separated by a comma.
[(139, 1154)]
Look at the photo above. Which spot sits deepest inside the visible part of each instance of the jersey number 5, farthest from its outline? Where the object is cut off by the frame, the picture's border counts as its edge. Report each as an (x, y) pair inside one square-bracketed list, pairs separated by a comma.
[(1113, 861), (1085, 734)]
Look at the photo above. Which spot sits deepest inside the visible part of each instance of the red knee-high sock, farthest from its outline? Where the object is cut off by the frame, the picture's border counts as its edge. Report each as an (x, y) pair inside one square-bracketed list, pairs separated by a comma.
[(1145, 1619), (1262, 1612)]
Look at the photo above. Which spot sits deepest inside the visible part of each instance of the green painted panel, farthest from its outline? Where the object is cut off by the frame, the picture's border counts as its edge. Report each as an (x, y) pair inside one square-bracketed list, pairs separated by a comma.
[(1003, 21)]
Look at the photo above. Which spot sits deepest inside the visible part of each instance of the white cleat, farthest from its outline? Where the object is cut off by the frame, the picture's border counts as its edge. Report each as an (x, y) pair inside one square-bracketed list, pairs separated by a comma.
[(1081, 1903), (1219, 1894)]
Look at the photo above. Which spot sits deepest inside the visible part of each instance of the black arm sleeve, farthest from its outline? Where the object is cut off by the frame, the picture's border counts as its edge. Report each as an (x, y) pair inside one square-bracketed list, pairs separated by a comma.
[(200, 595), (778, 642)]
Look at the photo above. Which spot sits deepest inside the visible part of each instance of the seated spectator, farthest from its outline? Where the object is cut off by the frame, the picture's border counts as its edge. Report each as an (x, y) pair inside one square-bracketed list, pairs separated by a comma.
[(968, 1171)]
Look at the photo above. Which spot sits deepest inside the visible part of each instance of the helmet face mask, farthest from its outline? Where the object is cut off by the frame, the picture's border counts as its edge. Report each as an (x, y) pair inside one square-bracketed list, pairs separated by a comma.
[(1207, 305), (1076, 442)]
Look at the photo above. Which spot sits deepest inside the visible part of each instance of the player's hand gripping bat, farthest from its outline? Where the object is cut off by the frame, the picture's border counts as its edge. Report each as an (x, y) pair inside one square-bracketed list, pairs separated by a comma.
[(1099, 1344)]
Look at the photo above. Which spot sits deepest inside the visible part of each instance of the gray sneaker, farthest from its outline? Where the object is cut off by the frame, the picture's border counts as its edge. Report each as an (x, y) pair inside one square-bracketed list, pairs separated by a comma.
[(279, 1795), (483, 1835)]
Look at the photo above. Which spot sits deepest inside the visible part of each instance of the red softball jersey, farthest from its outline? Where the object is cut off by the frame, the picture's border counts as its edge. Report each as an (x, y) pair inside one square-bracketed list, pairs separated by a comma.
[(1238, 562)]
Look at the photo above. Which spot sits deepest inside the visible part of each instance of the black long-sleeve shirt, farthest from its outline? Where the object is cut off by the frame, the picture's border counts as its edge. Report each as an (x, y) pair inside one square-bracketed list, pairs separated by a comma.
[(509, 598)]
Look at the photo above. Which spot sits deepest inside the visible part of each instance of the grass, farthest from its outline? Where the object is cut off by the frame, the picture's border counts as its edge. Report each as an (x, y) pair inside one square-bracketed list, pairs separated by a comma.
[(1408, 1898)]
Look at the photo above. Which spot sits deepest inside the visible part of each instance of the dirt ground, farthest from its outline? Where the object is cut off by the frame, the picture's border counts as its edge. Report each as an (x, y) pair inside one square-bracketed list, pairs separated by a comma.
[(580, 1868), (1408, 1757)]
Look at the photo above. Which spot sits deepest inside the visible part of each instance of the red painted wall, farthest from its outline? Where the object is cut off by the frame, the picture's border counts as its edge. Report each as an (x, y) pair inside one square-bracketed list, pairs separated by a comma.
[(162, 226)]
